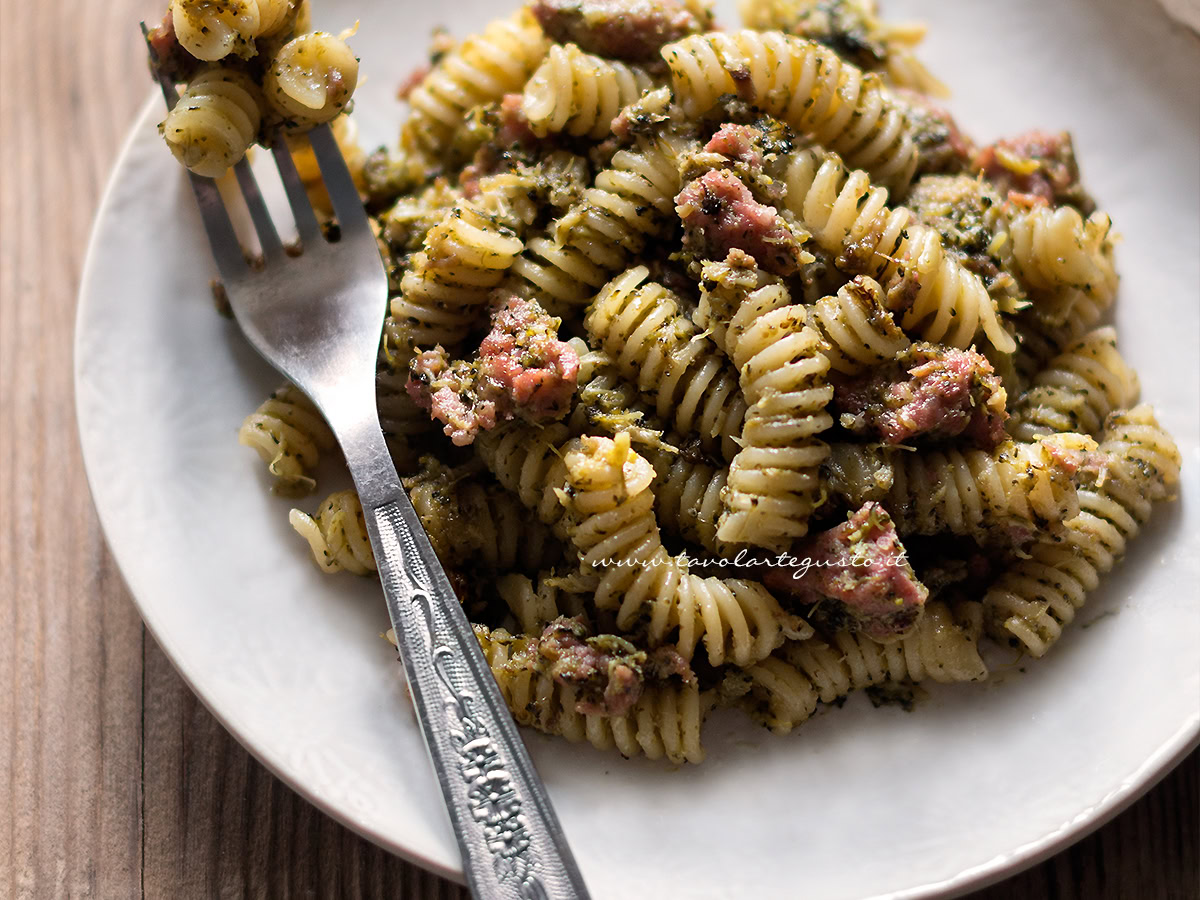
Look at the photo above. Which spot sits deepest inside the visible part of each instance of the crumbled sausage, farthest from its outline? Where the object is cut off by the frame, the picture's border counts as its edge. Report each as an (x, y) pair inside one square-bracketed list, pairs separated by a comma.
[(1035, 166), (521, 370), (622, 29), (931, 392), (608, 672), (720, 214), (738, 142), (861, 565)]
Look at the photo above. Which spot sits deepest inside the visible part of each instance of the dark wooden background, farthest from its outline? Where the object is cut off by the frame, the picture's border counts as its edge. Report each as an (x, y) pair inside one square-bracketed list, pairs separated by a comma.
[(114, 781)]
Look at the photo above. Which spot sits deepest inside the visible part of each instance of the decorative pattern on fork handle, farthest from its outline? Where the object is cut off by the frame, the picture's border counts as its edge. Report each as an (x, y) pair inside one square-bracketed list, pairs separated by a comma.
[(486, 784)]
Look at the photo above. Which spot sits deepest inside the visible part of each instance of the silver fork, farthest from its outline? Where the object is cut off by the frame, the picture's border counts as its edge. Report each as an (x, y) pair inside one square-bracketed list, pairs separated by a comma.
[(317, 317)]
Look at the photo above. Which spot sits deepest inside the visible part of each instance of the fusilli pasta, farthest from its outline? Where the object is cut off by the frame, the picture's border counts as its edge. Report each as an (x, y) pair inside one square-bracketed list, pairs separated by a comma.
[(474, 524), (773, 485), (854, 27), (664, 723), (534, 606), (446, 286), (1034, 600), (614, 528), (784, 689), (528, 461), (310, 79), (1021, 486), (290, 435), (215, 121), (337, 534), (804, 84), (687, 487), (1044, 333), (1077, 390), (848, 216), (687, 495), (659, 348), (857, 329), (1055, 249), (213, 29), (580, 94), (482, 69), (632, 201)]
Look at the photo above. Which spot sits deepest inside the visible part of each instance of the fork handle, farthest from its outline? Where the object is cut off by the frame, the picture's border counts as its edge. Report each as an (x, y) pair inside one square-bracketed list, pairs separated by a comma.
[(511, 841)]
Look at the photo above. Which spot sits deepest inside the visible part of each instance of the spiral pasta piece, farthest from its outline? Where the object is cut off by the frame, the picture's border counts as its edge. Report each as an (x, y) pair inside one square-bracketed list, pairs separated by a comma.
[(672, 363), (664, 723), (273, 15), (613, 526), (1056, 249), (471, 523), (687, 486), (527, 461), (310, 80), (399, 416), (1067, 263), (785, 688), (687, 496), (848, 215), (580, 94), (482, 69), (535, 605), (446, 285), (856, 327), (853, 28), (210, 30), (560, 273), (631, 202), (1036, 598), (773, 483), (337, 534), (289, 434), (606, 402), (1017, 486), (803, 84), (1077, 390), (1047, 329), (215, 121)]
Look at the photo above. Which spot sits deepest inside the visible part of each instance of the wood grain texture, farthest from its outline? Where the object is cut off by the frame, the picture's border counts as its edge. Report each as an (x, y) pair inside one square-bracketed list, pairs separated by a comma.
[(115, 781), (70, 641)]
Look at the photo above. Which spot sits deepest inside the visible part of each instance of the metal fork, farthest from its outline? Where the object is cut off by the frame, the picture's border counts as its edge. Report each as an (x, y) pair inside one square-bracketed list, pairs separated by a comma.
[(317, 317)]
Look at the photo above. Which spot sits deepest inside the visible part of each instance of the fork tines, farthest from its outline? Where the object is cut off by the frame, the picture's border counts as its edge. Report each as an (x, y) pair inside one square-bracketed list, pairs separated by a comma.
[(227, 250)]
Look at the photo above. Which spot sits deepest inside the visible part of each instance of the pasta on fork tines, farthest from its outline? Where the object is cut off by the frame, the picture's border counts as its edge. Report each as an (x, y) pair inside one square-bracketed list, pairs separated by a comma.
[(248, 69), (721, 366)]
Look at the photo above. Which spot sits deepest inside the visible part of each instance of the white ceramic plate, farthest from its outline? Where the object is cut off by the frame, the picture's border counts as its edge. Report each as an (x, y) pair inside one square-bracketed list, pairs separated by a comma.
[(859, 802)]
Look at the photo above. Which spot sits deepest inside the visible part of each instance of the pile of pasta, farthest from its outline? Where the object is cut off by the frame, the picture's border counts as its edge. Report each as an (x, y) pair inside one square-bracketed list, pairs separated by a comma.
[(738, 235), (249, 70)]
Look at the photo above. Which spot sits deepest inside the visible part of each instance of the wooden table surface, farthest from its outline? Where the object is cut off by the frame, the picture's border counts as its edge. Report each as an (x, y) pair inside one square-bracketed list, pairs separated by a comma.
[(117, 783)]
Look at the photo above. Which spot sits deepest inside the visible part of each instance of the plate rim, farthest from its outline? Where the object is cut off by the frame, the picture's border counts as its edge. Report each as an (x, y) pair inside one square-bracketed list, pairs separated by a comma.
[(1169, 754)]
